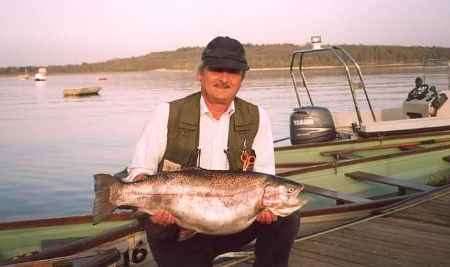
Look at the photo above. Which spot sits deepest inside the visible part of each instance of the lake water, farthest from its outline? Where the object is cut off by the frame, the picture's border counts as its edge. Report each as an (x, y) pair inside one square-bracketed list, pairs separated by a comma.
[(51, 146)]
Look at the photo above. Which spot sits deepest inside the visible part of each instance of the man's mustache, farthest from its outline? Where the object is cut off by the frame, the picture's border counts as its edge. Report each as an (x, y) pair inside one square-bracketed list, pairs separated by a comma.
[(222, 84)]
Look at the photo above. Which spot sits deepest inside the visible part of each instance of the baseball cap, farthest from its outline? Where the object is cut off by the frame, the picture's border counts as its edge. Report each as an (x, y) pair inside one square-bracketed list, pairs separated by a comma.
[(225, 53)]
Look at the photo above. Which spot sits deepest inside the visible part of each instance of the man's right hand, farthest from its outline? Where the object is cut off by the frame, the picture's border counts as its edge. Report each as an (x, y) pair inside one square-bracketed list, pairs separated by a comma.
[(140, 177), (162, 217)]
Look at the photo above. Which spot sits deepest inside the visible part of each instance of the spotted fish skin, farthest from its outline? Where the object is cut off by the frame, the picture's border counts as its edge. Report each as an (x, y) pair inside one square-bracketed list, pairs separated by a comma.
[(206, 201)]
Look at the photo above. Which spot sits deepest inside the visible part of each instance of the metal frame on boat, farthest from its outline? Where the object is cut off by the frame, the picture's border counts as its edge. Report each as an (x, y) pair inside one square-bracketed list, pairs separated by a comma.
[(343, 56)]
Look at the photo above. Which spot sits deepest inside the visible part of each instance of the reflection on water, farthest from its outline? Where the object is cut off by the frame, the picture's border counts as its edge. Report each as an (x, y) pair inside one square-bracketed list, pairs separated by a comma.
[(51, 146)]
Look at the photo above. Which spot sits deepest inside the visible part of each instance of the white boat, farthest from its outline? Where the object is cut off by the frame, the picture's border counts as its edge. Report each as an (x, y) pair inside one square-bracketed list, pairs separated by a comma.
[(41, 75), (424, 109)]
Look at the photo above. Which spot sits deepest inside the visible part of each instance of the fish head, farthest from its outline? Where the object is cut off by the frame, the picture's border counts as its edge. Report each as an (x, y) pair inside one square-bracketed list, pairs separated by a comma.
[(282, 196)]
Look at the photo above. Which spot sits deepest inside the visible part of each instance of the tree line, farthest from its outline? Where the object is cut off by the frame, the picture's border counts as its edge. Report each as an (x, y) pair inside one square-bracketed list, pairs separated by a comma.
[(259, 56)]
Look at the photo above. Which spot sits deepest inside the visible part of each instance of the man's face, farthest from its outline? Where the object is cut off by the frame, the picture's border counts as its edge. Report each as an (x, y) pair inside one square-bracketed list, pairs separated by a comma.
[(219, 86)]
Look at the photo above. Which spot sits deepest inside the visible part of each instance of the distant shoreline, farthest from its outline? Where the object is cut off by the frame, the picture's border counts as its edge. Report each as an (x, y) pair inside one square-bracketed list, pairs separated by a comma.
[(363, 66), (261, 57)]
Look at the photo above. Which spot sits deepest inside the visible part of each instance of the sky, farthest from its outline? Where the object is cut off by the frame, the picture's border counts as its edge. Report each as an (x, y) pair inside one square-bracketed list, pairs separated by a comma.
[(54, 32)]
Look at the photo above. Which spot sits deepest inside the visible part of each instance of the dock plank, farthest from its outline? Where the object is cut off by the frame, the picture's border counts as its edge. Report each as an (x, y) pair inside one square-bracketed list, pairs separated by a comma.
[(359, 175), (409, 237), (395, 237), (345, 250)]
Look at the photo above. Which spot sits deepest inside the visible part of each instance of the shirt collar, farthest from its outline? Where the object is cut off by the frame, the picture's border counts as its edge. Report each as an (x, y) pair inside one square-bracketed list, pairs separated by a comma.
[(204, 108)]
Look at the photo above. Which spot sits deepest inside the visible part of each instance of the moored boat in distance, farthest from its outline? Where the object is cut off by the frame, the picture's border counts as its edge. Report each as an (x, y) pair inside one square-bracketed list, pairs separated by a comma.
[(24, 76), (41, 75), (81, 91)]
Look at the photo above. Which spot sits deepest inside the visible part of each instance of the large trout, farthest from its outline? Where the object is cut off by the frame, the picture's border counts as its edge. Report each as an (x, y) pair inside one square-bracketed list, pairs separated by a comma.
[(203, 201)]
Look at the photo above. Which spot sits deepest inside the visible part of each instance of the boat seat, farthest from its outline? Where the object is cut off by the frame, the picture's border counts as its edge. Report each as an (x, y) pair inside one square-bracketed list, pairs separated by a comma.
[(371, 128), (401, 184), (340, 197)]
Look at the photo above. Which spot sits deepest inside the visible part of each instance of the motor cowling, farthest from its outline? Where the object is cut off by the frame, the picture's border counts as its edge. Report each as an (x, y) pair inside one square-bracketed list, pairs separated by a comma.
[(311, 125)]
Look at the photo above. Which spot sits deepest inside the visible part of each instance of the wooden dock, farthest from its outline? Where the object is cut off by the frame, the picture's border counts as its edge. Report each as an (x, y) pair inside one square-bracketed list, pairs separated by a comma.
[(415, 233)]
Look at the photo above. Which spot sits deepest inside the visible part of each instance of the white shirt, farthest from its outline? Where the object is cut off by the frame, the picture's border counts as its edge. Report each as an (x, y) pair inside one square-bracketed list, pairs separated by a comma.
[(213, 140)]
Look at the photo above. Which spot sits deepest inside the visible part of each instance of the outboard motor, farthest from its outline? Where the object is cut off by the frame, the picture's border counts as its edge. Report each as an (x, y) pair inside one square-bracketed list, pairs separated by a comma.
[(311, 125), (423, 101)]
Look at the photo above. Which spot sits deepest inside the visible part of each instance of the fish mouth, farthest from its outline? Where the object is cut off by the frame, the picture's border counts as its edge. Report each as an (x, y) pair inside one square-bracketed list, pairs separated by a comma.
[(298, 200), (298, 190)]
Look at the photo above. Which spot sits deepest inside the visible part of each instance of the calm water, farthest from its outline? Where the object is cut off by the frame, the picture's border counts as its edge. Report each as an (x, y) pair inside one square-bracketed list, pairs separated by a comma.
[(51, 146)]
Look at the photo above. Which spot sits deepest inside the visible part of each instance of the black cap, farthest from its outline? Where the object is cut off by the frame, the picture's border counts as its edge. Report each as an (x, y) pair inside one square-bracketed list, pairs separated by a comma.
[(226, 53)]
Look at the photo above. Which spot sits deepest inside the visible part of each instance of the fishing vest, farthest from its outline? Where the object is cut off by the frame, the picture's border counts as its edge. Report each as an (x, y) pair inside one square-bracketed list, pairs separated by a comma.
[(183, 132)]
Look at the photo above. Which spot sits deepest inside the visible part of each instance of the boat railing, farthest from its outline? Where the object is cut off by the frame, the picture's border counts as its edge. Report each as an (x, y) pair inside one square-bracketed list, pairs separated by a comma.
[(345, 59)]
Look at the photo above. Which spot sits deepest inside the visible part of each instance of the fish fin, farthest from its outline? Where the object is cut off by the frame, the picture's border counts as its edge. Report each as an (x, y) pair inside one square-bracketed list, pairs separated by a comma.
[(185, 234), (103, 208)]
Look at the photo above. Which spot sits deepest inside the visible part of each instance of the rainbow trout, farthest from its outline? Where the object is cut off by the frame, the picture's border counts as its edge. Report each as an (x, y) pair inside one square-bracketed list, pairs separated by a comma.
[(203, 201)]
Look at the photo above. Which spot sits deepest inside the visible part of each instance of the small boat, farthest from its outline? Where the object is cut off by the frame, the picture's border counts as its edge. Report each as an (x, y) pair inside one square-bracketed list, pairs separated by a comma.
[(41, 75), (102, 78), (24, 76), (82, 91)]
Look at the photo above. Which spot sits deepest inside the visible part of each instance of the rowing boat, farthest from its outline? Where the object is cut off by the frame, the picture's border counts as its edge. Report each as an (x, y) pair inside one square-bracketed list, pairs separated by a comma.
[(336, 193), (81, 91)]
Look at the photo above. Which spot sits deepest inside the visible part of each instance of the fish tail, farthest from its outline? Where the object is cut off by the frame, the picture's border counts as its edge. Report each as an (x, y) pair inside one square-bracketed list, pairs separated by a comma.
[(103, 207)]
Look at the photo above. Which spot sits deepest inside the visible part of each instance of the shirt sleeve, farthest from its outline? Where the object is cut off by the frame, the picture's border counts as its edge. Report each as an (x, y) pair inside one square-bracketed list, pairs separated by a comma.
[(151, 145), (263, 145)]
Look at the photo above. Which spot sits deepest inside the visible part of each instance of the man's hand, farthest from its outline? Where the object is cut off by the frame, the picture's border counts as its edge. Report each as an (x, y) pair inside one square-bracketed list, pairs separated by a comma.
[(163, 217), (266, 217), (140, 177)]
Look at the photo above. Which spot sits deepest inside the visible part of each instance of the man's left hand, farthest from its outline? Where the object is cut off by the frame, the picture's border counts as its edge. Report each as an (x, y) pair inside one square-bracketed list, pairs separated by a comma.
[(266, 217)]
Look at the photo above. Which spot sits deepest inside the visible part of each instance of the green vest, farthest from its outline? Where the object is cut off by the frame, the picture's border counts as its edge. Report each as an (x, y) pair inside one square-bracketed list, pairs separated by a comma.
[(183, 131)]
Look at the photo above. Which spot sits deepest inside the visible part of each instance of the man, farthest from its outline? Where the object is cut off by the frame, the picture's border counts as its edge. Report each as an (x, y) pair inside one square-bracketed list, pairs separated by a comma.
[(212, 129)]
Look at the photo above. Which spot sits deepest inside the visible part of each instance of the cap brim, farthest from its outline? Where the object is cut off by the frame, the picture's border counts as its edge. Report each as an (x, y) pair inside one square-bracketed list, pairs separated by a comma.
[(225, 63)]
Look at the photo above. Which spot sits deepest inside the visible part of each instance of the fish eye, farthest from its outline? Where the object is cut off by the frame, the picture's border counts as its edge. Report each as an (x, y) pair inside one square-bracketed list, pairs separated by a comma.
[(291, 190)]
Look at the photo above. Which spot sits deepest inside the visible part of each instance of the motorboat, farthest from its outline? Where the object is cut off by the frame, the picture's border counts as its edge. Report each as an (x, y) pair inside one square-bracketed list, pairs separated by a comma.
[(424, 109), (41, 75)]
